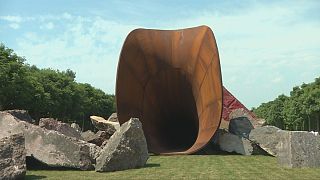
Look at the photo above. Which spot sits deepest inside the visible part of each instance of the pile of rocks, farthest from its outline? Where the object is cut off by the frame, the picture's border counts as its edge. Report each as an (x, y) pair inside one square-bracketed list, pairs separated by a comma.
[(242, 138), (292, 148), (235, 139), (57, 144)]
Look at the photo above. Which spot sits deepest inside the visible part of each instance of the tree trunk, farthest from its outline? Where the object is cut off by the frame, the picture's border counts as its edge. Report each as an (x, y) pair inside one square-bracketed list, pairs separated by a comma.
[(309, 123), (318, 127), (82, 123)]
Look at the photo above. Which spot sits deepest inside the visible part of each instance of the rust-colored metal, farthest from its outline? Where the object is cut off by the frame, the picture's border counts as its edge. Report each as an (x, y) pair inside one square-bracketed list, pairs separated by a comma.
[(171, 81)]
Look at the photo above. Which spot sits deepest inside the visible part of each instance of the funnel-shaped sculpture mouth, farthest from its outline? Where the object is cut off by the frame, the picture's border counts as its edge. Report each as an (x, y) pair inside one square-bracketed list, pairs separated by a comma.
[(171, 81)]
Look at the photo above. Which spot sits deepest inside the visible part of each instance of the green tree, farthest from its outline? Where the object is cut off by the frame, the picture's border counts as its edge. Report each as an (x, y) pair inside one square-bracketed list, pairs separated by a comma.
[(48, 92), (299, 111)]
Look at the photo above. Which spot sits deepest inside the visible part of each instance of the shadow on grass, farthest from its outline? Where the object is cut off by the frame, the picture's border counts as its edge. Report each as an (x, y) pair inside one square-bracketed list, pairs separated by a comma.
[(151, 165), (31, 177), (34, 164)]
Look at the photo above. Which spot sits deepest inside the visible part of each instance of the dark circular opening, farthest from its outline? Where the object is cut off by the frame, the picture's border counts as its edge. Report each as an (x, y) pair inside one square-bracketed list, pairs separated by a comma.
[(169, 112)]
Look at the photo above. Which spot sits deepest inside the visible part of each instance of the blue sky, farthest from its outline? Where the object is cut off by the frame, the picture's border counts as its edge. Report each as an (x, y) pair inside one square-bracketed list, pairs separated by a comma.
[(265, 47)]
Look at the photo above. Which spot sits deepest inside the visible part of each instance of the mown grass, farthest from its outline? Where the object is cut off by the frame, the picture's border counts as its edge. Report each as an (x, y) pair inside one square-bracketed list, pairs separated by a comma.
[(192, 167)]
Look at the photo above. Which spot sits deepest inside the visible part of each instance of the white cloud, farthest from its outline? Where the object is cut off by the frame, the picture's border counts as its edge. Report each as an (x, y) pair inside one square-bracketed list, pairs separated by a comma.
[(48, 26), (15, 19), (41, 18), (89, 46), (67, 16), (277, 80), (14, 25)]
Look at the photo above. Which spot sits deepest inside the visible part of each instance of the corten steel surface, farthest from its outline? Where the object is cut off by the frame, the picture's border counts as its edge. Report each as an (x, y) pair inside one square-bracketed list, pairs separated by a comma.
[(171, 81)]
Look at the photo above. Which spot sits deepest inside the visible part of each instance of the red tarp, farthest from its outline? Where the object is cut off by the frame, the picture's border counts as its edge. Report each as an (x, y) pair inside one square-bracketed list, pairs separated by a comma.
[(230, 103)]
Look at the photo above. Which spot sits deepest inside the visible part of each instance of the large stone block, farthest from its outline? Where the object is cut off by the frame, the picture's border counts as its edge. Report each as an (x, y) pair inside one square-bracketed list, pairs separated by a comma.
[(12, 157), (298, 149), (126, 149), (267, 137)]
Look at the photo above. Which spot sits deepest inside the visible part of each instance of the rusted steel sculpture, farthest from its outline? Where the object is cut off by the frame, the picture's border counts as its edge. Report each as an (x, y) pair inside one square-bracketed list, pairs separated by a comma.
[(171, 81)]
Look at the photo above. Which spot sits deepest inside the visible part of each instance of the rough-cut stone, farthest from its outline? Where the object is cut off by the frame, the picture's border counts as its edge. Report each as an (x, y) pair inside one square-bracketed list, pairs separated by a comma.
[(97, 138), (88, 135), (23, 115), (12, 157), (126, 149), (232, 143), (267, 137), (298, 149), (94, 152), (103, 125), (49, 147), (64, 128), (76, 127), (113, 117), (240, 126), (102, 136), (104, 143)]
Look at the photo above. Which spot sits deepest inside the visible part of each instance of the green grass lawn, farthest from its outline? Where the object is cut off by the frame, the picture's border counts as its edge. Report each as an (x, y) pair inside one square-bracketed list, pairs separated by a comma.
[(192, 167)]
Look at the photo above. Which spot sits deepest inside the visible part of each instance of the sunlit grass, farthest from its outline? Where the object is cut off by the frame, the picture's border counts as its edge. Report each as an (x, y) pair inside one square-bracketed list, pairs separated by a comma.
[(192, 167)]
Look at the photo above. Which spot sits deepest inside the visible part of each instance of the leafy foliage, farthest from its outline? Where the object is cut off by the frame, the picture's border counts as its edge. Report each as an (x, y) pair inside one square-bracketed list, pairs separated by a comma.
[(300, 111), (48, 92)]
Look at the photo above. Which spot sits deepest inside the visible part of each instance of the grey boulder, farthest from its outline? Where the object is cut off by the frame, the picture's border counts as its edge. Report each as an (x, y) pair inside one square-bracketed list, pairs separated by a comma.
[(232, 143), (240, 126), (64, 128), (126, 149), (267, 137), (23, 115), (88, 135), (50, 147), (12, 157), (298, 149)]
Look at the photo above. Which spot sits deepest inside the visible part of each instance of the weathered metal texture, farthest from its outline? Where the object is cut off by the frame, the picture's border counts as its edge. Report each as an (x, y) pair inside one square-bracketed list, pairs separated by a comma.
[(171, 81), (230, 104)]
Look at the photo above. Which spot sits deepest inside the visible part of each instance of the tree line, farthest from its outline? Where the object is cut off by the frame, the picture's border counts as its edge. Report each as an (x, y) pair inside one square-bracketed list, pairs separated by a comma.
[(48, 92), (299, 111)]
